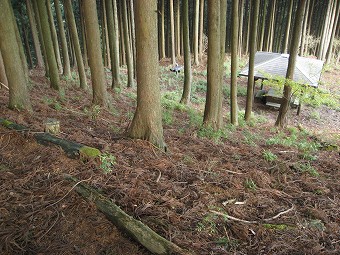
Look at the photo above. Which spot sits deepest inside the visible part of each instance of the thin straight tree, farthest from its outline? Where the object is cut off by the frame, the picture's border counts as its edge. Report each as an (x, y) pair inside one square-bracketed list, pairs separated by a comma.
[(252, 47), (128, 49), (289, 21), (172, 27), (330, 47), (178, 29), (53, 33), (50, 53), (75, 39), (9, 47), (147, 120), (196, 31), (263, 25), (234, 65), (162, 31), (281, 120), (95, 54), (187, 56), (201, 49), (211, 111), (112, 43), (35, 38), (62, 35)]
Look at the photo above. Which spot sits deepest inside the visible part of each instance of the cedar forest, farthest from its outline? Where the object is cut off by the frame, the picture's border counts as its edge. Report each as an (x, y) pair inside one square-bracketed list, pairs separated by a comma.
[(126, 127)]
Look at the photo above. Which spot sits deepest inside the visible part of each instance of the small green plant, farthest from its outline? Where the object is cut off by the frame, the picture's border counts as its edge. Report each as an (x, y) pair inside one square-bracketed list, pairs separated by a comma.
[(107, 161), (249, 137), (250, 184), (93, 112), (167, 117), (308, 169), (210, 133), (315, 115), (269, 156), (227, 243)]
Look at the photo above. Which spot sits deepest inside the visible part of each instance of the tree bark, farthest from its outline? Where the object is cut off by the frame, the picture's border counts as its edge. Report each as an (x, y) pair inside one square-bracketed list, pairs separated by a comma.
[(127, 44), (17, 82), (178, 29), (196, 30), (62, 35), (3, 76), (252, 47), (281, 120), (289, 20), (330, 48), (263, 25), (147, 120), (162, 31), (50, 53), (172, 26), (187, 56), (211, 111), (74, 36), (234, 65), (53, 34), (112, 43), (35, 38), (94, 53), (201, 49)]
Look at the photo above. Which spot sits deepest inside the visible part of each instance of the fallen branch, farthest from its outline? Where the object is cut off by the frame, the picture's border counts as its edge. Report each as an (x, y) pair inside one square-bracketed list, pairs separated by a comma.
[(253, 221), (4, 85), (134, 228)]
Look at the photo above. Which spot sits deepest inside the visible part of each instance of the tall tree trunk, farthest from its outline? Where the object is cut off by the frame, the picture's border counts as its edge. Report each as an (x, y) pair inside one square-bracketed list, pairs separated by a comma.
[(112, 43), (50, 53), (53, 34), (332, 23), (83, 33), (121, 31), (252, 46), (172, 26), (281, 120), (74, 36), (129, 59), (234, 65), (27, 45), (223, 32), (40, 35), (325, 30), (178, 29), (146, 123), (201, 37), (263, 25), (195, 38), (187, 56), (211, 111), (35, 38), (246, 40), (94, 53), (62, 35), (304, 30), (133, 36), (3, 76), (240, 30), (289, 20), (9, 47), (330, 48), (162, 31)]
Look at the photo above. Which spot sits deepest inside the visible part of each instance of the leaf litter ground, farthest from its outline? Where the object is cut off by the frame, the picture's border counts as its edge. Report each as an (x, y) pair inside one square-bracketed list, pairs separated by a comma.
[(292, 198)]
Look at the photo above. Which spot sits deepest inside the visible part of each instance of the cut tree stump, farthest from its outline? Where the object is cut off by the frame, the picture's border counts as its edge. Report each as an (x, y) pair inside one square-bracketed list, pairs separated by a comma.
[(134, 228), (72, 149)]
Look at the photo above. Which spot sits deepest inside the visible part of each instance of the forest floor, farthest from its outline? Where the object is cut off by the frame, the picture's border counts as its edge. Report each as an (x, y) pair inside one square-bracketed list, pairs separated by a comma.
[(282, 186)]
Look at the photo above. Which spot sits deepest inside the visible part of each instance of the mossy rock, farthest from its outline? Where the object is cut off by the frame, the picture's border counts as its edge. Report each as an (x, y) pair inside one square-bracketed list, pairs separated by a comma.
[(89, 152)]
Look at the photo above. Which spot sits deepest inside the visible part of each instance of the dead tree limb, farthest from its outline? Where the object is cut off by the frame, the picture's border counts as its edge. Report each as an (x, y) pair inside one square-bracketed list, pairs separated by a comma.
[(134, 228)]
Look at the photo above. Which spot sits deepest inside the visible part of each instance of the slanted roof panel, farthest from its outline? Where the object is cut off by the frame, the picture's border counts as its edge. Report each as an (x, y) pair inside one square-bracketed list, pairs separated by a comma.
[(307, 70)]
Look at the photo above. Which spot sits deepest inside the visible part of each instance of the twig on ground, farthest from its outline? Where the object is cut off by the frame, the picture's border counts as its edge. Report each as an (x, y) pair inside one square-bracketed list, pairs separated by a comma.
[(253, 221), (3, 85)]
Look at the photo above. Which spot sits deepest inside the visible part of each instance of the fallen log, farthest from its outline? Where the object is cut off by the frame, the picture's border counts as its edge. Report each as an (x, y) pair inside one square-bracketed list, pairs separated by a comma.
[(72, 149), (134, 228)]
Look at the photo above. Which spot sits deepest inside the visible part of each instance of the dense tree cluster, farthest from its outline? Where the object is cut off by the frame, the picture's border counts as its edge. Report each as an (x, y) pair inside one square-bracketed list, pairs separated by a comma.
[(60, 36)]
